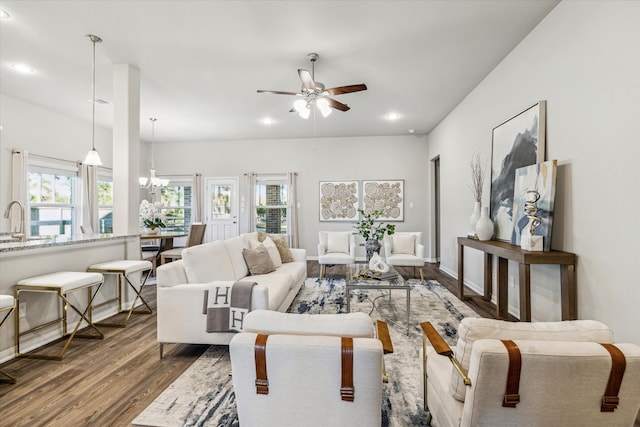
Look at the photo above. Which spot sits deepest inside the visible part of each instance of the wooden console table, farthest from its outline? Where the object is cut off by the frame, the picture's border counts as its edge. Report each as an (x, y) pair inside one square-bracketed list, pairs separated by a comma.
[(506, 251)]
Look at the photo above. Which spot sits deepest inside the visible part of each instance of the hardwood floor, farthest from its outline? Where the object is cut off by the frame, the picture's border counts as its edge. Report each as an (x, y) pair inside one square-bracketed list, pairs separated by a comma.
[(110, 381)]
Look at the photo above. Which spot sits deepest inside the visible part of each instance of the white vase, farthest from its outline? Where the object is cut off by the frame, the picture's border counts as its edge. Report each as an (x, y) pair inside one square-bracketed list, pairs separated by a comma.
[(474, 216), (148, 230), (484, 226)]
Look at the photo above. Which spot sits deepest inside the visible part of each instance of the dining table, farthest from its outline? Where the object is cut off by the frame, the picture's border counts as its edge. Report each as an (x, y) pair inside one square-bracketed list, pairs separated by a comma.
[(166, 240)]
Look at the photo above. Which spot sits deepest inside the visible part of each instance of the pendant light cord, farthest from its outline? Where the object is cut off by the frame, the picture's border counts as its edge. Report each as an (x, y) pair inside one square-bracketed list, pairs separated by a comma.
[(153, 142), (94, 40)]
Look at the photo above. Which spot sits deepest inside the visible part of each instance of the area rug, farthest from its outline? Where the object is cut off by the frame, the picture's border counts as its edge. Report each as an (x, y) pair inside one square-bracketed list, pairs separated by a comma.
[(203, 394)]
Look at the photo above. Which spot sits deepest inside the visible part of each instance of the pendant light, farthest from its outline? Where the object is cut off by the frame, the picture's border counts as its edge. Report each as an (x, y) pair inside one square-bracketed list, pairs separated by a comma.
[(93, 159)]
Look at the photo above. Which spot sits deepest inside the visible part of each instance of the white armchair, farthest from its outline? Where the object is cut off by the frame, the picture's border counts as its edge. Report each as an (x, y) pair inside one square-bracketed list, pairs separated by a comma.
[(335, 248), (405, 249), (563, 376), (298, 371)]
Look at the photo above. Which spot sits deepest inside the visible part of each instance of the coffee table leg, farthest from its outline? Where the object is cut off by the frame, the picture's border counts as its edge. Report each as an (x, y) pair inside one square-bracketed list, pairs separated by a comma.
[(348, 301)]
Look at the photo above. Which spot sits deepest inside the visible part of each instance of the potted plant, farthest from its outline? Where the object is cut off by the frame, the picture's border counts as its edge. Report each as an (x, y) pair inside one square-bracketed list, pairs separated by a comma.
[(151, 217), (373, 231)]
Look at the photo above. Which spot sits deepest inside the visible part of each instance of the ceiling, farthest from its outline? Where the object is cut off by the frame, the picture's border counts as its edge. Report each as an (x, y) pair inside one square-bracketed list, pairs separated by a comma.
[(201, 61)]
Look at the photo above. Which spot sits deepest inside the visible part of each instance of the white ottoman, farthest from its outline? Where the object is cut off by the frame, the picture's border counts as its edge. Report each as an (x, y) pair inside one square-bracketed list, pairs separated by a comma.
[(61, 283), (122, 269)]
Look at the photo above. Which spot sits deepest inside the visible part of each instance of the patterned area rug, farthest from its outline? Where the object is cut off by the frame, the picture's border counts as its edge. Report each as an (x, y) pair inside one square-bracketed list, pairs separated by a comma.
[(203, 394)]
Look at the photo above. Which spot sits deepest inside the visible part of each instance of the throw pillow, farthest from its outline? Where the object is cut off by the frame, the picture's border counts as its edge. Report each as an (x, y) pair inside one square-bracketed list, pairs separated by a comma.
[(338, 242), (258, 260), (273, 251), (404, 244), (283, 247)]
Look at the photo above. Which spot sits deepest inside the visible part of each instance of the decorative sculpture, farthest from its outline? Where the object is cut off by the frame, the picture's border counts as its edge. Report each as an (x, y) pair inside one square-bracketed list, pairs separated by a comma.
[(529, 241)]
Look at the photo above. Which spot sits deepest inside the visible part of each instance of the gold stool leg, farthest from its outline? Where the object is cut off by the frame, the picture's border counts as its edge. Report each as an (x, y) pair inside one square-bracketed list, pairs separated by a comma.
[(6, 378)]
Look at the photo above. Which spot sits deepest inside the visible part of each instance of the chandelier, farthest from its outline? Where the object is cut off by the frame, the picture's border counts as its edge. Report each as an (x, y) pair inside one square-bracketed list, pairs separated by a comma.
[(153, 182)]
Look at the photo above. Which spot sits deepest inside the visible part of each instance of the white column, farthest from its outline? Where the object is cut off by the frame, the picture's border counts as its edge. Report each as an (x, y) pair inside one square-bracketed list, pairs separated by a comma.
[(126, 148)]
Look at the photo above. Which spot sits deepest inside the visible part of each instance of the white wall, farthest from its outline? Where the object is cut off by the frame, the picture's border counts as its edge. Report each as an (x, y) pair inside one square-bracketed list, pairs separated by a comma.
[(44, 132), (584, 60), (322, 159)]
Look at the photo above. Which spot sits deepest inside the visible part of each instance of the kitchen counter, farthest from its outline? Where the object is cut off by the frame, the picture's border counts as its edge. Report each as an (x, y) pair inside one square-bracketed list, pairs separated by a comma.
[(40, 242), (36, 257)]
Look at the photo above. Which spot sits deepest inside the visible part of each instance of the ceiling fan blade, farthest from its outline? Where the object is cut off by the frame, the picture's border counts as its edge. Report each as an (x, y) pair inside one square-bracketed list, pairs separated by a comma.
[(278, 92), (338, 105), (306, 79), (346, 89)]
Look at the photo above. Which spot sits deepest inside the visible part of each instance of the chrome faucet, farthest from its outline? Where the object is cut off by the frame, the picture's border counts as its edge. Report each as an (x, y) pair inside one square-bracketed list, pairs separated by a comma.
[(7, 214)]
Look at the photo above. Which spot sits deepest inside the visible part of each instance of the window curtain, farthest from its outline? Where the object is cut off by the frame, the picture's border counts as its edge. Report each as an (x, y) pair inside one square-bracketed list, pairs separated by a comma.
[(196, 199), (251, 176), (90, 199), (20, 188), (292, 217)]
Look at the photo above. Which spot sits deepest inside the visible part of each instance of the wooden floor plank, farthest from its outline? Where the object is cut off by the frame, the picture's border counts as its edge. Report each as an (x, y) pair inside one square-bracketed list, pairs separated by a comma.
[(110, 381)]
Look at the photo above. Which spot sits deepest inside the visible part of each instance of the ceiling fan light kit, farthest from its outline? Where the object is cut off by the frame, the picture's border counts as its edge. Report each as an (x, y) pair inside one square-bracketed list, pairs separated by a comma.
[(313, 92)]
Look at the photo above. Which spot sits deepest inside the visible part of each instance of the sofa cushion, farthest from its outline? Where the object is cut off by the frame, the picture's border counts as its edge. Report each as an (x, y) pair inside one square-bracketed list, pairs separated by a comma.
[(472, 329), (338, 242), (404, 244), (258, 260), (278, 287), (344, 324), (207, 262), (234, 247), (296, 270)]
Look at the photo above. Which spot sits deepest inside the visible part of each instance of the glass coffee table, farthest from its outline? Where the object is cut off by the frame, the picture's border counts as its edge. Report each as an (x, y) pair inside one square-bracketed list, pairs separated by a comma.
[(357, 278)]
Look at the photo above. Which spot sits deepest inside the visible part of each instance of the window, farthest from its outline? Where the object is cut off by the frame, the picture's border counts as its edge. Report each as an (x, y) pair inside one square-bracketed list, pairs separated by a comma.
[(177, 204), (105, 201), (52, 197), (271, 204)]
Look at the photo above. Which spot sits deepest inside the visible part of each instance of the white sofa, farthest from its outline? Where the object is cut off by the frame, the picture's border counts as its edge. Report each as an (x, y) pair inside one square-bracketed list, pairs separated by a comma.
[(181, 286)]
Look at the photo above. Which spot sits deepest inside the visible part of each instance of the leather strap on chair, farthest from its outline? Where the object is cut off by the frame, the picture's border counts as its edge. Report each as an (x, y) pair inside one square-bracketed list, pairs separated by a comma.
[(512, 393), (260, 348), (346, 389), (618, 365)]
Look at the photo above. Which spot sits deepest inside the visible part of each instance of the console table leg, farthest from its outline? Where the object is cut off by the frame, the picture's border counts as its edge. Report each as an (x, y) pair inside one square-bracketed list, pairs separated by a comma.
[(488, 273), (503, 292), (568, 292), (461, 272), (525, 292)]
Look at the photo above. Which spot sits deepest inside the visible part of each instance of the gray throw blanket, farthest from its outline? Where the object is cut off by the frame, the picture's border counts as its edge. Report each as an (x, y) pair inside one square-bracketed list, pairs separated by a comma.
[(226, 306)]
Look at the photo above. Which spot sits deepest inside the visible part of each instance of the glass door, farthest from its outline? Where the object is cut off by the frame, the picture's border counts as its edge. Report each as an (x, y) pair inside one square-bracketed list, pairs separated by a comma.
[(222, 208)]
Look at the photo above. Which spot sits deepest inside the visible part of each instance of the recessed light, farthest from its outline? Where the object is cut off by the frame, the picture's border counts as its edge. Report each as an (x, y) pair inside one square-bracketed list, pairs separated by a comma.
[(392, 116), (267, 121), (412, 131), (4, 14), (23, 68)]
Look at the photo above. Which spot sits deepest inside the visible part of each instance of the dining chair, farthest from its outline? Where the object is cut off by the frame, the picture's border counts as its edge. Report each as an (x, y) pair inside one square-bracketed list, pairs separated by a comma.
[(196, 236)]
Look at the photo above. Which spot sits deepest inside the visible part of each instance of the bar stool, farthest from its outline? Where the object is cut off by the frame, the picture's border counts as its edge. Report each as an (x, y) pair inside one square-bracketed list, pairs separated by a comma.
[(8, 304), (122, 269), (61, 283)]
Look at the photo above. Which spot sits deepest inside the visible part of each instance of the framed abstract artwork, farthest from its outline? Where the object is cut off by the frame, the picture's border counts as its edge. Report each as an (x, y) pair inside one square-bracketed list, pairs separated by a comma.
[(535, 189), (385, 196), (339, 201), (518, 142)]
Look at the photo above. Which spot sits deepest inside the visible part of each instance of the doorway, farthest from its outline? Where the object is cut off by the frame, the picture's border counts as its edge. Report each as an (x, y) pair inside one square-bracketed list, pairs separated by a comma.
[(436, 206), (221, 208)]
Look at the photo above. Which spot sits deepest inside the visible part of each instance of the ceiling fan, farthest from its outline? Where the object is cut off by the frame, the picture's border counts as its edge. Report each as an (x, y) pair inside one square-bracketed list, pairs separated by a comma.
[(313, 92)]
